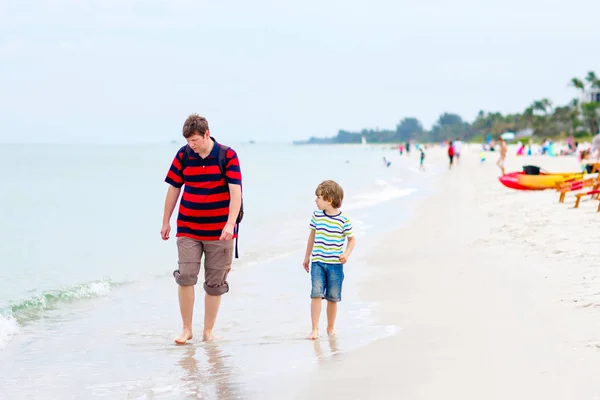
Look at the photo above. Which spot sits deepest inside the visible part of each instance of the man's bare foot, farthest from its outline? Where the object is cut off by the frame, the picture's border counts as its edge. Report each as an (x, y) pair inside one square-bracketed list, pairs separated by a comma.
[(186, 335), (314, 335), (208, 336), (330, 332)]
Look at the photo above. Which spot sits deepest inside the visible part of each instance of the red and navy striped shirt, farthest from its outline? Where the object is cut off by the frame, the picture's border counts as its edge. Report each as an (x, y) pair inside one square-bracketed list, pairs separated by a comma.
[(204, 206)]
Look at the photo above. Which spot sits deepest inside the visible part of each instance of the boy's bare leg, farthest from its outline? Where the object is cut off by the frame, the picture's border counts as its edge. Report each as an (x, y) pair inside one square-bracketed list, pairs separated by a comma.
[(315, 313), (211, 309), (186, 307), (331, 314)]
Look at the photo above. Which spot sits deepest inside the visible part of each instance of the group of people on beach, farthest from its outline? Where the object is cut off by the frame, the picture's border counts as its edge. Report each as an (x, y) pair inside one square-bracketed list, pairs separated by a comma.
[(588, 154), (421, 147), (210, 211), (455, 147)]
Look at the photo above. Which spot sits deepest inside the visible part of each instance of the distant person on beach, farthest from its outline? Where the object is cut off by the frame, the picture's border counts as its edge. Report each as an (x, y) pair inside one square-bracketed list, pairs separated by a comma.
[(407, 148), (325, 256), (422, 159), (570, 141), (584, 157), (457, 145), (207, 222), (386, 162), (450, 154), (500, 162)]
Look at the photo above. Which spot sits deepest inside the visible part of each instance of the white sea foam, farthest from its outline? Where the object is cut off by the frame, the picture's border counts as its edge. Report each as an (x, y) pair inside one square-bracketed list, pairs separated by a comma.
[(8, 328), (387, 193), (34, 307), (94, 289)]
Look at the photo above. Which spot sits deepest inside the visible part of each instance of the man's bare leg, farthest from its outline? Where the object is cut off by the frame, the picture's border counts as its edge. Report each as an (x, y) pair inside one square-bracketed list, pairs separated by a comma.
[(211, 309), (315, 313), (331, 314), (186, 307)]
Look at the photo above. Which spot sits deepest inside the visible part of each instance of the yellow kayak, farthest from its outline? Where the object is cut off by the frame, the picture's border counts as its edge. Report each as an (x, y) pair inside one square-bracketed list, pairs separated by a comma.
[(522, 181)]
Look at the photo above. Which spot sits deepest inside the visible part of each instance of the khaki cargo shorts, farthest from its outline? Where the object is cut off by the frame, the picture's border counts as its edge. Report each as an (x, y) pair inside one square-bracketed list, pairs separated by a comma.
[(218, 256)]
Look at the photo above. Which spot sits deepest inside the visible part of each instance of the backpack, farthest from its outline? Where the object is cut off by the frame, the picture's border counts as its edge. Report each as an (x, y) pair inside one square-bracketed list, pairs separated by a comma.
[(222, 160)]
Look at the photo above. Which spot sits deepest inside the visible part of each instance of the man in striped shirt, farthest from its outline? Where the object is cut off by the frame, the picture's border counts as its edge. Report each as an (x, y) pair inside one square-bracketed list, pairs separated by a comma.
[(325, 253), (206, 223)]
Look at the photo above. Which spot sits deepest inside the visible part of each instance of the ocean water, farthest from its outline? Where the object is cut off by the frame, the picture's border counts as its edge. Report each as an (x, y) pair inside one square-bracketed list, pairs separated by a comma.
[(88, 305)]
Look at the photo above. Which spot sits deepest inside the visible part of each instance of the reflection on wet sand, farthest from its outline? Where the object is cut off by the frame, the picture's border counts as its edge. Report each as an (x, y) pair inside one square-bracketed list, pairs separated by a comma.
[(211, 379), (333, 348)]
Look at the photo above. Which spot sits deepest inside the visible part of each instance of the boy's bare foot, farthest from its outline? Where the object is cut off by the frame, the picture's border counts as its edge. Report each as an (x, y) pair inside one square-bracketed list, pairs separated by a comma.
[(186, 335), (313, 335), (330, 332)]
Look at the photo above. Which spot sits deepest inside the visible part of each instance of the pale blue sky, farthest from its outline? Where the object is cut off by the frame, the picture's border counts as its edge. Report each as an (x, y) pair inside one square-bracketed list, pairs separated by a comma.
[(131, 71)]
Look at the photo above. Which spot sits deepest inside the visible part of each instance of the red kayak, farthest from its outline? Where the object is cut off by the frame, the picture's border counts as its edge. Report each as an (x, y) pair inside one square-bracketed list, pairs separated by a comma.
[(543, 181)]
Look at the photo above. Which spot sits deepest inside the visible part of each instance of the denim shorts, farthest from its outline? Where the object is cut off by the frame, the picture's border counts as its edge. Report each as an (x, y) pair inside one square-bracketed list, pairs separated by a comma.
[(327, 281)]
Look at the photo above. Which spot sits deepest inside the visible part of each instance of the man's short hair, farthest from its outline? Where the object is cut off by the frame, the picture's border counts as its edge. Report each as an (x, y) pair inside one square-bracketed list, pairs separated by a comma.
[(331, 191), (195, 125)]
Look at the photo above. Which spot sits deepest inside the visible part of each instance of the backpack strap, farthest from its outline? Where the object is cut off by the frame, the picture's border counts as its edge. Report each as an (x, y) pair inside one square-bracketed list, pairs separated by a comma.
[(185, 156), (222, 160)]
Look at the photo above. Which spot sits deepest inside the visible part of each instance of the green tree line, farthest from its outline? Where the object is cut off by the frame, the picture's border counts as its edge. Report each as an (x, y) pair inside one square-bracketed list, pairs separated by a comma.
[(578, 118)]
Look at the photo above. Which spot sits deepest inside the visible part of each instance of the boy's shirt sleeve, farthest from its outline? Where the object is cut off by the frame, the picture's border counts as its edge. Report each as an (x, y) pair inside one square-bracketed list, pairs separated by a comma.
[(313, 223), (348, 232)]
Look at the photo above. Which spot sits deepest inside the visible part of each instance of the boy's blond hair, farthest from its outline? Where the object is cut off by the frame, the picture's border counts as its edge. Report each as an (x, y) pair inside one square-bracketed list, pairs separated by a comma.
[(331, 191)]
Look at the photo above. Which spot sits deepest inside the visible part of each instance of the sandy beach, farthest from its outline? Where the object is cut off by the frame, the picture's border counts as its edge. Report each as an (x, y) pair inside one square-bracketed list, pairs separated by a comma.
[(469, 291), (495, 291)]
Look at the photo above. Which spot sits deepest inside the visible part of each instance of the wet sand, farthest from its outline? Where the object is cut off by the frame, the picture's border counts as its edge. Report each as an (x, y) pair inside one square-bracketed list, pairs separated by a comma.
[(496, 293)]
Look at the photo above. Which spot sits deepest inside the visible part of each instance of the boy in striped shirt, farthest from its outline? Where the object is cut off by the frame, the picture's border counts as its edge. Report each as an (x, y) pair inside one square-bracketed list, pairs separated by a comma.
[(325, 254)]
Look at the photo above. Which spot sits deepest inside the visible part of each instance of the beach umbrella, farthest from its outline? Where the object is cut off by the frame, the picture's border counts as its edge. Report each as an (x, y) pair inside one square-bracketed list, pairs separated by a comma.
[(508, 136)]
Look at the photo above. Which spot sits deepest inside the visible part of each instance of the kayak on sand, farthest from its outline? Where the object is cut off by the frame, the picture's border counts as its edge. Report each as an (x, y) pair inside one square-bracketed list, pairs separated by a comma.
[(524, 181)]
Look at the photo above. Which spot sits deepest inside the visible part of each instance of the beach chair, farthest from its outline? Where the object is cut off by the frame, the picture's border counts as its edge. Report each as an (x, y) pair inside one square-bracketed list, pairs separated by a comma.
[(573, 185), (594, 193)]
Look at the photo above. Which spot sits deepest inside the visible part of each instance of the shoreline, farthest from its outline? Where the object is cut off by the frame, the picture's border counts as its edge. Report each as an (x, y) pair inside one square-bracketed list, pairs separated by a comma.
[(492, 293)]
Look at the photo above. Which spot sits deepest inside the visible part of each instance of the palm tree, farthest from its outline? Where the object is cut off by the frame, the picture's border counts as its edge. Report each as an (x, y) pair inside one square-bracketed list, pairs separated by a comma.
[(589, 110), (577, 83), (540, 121), (591, 78), (590, 115)]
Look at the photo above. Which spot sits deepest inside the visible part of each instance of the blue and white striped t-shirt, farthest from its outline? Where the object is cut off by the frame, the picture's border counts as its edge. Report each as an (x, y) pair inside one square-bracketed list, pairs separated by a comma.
[(331, 232)]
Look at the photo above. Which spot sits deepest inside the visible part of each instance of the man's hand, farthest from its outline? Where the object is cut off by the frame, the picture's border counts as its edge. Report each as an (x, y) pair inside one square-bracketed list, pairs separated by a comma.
[(165, 230), (344, 258), (305, 264), (227, 233)]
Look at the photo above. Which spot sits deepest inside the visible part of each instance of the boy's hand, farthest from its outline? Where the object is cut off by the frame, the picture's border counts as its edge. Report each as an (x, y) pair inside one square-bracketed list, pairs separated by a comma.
[(343, 258), (305, 264)]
